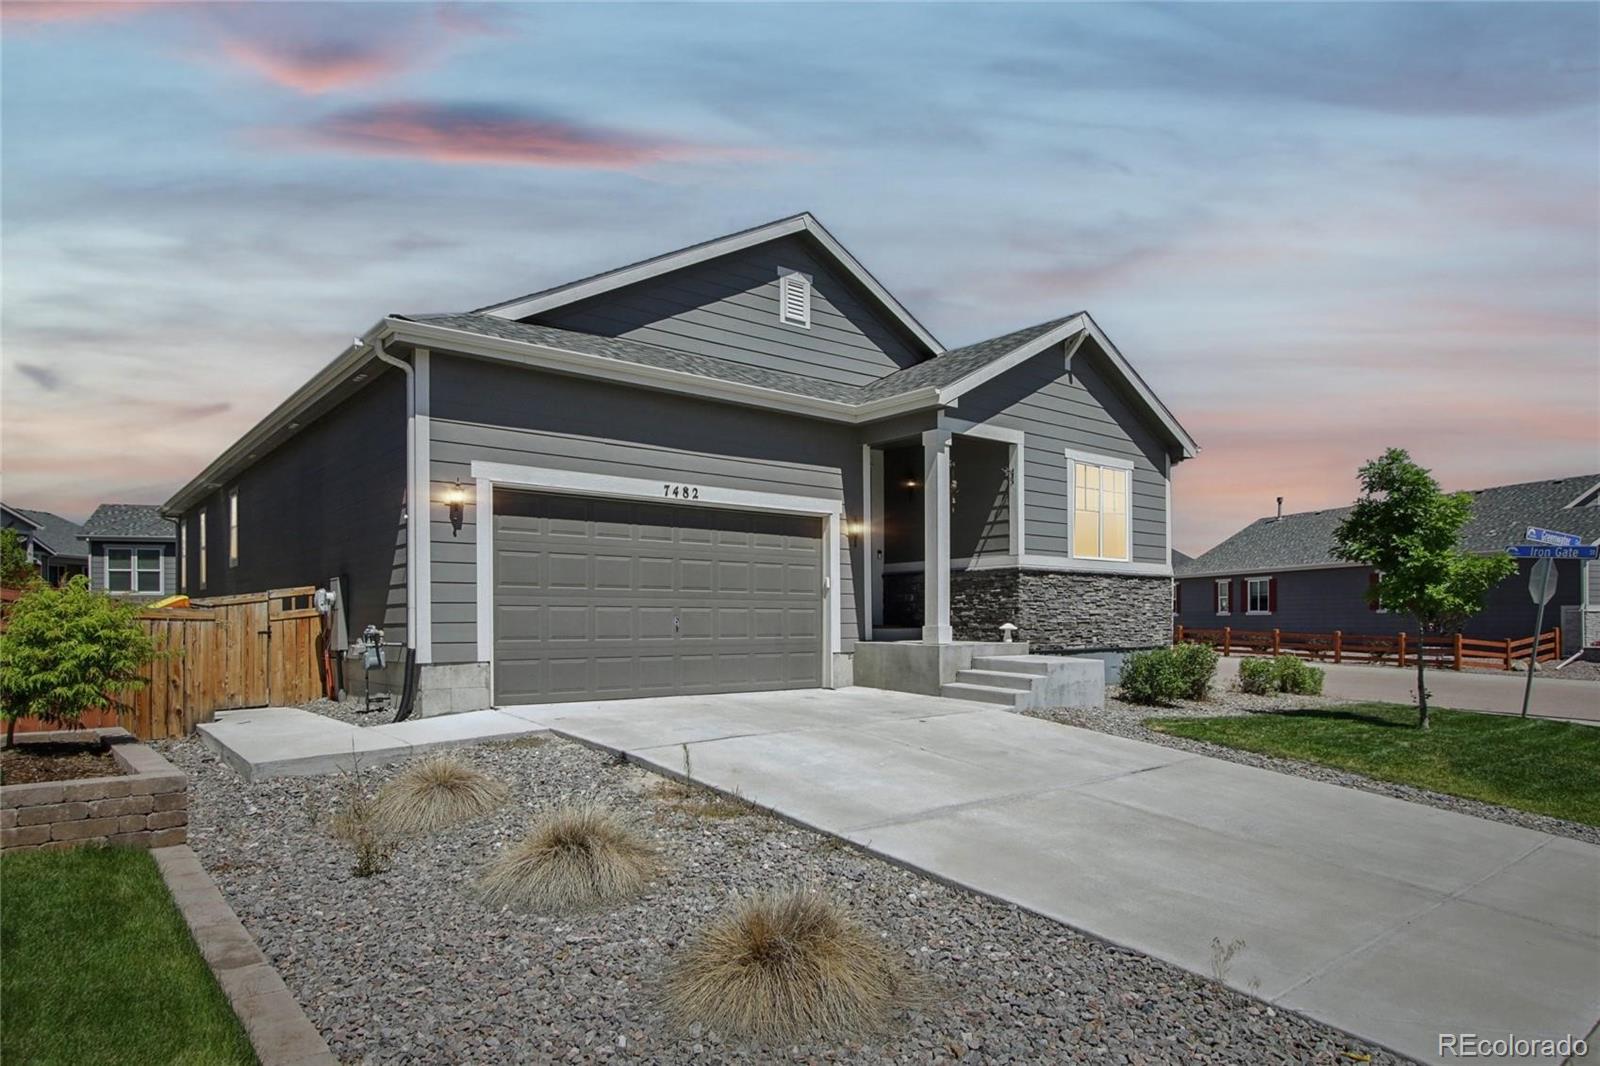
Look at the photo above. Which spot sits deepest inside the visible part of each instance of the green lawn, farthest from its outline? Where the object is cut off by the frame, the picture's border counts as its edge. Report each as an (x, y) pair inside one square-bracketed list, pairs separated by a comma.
[(100, 968), (1544, 767)]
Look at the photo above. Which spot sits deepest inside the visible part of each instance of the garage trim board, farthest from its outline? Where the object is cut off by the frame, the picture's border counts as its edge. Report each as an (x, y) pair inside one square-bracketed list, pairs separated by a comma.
[(491, 475)]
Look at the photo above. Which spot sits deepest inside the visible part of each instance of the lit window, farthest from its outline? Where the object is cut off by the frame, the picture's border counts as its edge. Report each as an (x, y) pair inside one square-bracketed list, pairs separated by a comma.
[(1099, 511), (233, 528), (1258, 596), (1224, 596), (202, 547), (133, 570)]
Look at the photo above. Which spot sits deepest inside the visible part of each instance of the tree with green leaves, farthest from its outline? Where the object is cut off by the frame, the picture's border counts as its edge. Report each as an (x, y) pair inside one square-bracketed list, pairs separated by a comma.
[(16, 569), (1410, 532), (69, 650)]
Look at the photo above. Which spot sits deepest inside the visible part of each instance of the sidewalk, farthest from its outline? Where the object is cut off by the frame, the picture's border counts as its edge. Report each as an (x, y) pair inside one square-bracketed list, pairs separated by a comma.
[(1468, 690)]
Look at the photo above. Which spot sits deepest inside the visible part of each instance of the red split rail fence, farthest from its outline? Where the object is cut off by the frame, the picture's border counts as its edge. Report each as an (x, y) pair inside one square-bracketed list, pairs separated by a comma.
[(1399, 649)]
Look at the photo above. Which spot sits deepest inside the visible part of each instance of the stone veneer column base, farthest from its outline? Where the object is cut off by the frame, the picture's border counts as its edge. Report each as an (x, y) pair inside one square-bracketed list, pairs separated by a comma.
[(450, 688), (1060, 611)]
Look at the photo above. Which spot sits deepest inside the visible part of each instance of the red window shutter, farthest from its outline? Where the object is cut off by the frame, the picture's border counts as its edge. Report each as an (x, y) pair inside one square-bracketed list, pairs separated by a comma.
[(1372, 585), (1272, 595), (1242, 600)]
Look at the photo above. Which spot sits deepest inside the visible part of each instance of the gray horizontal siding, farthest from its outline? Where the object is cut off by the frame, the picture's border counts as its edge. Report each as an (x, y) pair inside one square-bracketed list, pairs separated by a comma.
[(1084, 412), (728, 308), (484, 411), (1321, 601)]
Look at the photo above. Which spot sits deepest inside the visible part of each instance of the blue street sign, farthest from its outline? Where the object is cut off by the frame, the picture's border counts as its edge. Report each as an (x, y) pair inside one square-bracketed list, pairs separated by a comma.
[(1553, 538), (1532, 551)]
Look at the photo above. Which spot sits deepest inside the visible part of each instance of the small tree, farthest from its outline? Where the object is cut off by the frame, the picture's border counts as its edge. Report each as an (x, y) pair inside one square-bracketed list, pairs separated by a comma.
[(1410, 532), (16, 569), (69, 650)]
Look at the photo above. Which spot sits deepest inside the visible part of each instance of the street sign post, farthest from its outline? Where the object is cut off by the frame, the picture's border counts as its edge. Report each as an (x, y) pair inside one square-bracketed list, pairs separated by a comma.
[(1541, 551), (1552, 537)]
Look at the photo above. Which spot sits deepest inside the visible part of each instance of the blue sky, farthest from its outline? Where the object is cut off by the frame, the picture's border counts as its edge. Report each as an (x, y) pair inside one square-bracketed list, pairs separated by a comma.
[(1316, 229)]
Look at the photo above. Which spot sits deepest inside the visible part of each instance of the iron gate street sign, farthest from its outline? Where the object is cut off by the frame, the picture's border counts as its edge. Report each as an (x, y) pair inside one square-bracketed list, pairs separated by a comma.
[(1553, 538), (1540, 551)]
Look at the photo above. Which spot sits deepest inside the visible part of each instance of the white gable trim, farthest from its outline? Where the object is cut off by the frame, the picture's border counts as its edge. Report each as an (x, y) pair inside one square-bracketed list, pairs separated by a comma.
[(538, 303), (1081, 325)]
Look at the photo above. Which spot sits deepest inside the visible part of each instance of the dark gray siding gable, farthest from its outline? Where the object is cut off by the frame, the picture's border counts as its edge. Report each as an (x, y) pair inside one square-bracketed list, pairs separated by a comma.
[(328, 502), (1084, 412), (728, 308), (505, 414)]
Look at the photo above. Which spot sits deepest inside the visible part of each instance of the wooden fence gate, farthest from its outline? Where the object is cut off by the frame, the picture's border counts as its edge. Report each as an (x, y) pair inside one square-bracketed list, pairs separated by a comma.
[(221, 654)]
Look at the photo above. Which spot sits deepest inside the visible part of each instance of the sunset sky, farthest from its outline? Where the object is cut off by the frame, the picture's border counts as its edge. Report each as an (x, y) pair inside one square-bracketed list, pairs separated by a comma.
[(1316, 230)]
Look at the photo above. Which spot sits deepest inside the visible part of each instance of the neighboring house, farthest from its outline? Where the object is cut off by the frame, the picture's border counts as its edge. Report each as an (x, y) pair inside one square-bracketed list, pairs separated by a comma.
[(1280, 573), (132, 551), (52, 542), (714, 470)]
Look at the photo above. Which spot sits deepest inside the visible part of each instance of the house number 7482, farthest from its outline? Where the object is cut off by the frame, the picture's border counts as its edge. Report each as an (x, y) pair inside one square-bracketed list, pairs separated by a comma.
[(681, 492)]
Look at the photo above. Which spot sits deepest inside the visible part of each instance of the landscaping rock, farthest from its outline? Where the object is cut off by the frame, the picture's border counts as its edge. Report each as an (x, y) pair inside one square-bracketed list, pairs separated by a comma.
[(410, 966)]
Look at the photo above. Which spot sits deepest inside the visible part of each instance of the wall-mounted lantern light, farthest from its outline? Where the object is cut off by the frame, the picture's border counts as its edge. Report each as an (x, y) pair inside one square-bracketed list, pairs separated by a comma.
[(456, 498)]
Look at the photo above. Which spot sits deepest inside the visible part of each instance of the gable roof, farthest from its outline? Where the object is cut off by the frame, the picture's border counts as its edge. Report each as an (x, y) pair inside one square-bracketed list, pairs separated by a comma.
[(61, 536), (573, 291), (1500, 516), (129, 521)]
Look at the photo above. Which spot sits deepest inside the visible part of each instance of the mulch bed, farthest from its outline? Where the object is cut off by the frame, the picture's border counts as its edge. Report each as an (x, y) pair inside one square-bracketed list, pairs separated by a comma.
[(27, 764)]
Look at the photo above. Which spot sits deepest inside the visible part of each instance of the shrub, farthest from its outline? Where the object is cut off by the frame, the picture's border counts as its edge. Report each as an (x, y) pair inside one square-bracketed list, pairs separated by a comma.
[(69, 650), (577, 859), (1152, 677), (437, 792), (1257, 676), (1196, 665), (1298, 677), (358, 823), (784, 966)]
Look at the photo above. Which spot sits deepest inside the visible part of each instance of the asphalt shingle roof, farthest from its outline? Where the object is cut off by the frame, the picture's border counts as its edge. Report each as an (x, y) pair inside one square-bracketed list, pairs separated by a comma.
[(60, 535), (136, 520), (1500, 516), (943, 369)]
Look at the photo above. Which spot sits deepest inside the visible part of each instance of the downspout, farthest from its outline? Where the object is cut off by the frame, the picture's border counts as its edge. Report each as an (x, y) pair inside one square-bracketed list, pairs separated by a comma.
[(413, 579)]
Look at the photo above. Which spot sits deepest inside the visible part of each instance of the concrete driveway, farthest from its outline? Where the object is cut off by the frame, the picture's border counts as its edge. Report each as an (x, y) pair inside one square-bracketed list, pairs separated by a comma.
[(1387, 919), (1494, 692)]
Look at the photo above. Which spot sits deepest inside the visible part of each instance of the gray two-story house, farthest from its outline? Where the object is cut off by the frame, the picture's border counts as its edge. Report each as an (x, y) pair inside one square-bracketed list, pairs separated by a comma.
[(715, 470)]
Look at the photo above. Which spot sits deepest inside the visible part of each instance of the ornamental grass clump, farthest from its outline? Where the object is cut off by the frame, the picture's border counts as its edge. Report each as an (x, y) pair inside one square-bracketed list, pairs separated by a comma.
[(785, 966), (578, 858), (436, 793)]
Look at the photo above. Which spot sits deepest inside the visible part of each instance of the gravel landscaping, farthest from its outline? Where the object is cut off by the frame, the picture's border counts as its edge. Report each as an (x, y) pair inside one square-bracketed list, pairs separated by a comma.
[(352, 710), (1127, 720), (410, 965)]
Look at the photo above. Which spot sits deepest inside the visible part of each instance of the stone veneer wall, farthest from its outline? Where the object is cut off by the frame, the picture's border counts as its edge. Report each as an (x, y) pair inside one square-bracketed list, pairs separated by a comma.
[(1056, 611), (146, 807)]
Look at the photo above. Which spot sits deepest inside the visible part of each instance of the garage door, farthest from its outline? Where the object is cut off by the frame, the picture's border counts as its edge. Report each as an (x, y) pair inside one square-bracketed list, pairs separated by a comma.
[(607, 599)]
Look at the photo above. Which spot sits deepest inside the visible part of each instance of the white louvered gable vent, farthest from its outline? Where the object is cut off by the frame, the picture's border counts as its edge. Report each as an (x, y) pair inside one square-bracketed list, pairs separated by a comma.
[(794, 299)]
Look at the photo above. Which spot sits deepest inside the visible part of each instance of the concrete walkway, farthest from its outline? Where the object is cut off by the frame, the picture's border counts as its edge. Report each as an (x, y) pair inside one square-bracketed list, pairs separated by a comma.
[(265, 742), (1391, 920), (1494, 692)]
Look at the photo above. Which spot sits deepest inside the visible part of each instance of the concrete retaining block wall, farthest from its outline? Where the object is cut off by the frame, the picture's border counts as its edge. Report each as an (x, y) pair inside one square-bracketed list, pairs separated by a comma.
[(146, 807)]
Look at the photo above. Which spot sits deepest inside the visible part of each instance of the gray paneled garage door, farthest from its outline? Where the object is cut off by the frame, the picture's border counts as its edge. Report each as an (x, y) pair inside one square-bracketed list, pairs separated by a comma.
[(605, 599)]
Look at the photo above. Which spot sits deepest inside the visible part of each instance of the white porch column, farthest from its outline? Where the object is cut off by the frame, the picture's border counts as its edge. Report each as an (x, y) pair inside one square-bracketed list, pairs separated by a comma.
[(936, 535)]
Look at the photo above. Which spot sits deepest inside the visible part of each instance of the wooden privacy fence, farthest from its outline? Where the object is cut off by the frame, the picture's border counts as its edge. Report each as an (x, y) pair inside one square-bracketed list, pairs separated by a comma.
[(1401, 649), (220, 654)]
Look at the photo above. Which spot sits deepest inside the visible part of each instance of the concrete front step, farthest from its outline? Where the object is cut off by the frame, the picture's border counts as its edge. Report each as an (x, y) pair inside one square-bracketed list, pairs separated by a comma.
[(998, 678), (1005, 697), (1015, 664)]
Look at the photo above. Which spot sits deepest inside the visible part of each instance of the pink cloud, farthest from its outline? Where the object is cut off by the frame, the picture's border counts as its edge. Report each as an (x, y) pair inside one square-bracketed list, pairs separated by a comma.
[(317, 68), (495, 136), (37, 12)]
